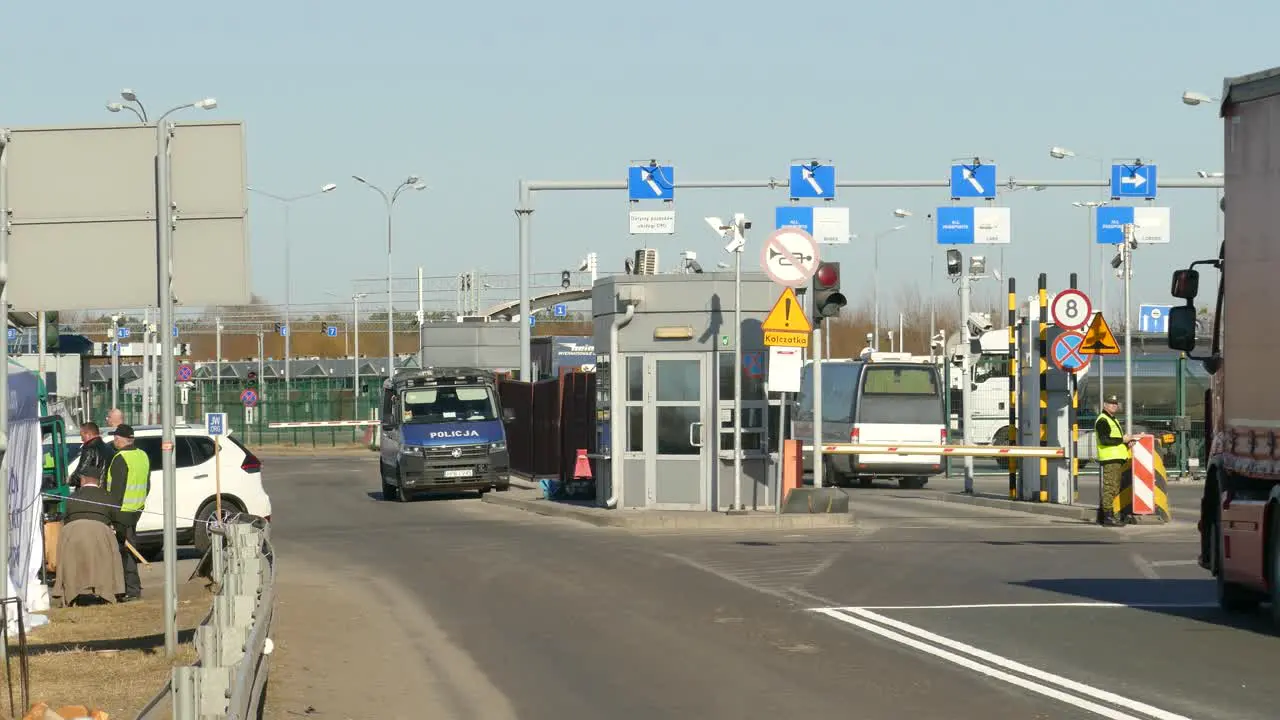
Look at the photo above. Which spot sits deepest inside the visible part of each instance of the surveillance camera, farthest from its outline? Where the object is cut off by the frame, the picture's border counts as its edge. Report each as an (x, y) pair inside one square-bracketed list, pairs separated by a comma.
[(746, 225), (870, 336), (1117, 261)]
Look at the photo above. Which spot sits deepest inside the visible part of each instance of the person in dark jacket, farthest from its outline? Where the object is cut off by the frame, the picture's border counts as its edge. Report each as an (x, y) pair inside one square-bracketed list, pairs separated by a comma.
[(90, 501), (94, 453)]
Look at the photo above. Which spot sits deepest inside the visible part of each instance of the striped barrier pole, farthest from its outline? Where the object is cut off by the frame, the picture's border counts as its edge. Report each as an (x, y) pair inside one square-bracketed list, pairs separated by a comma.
[(1144, 475), (977, 451), (1043, 296), (322, 423), (1013, 385)]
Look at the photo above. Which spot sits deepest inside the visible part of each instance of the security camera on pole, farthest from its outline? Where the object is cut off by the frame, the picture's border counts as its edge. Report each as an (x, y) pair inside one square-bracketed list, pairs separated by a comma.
[(736, 233)]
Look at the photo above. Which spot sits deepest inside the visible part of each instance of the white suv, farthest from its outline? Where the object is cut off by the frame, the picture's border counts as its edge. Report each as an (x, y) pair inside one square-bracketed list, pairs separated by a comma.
[(241, 477)]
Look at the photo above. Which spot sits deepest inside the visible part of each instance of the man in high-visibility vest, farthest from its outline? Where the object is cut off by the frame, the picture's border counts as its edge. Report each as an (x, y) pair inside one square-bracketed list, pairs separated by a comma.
[(128, 481), (1113, 453)]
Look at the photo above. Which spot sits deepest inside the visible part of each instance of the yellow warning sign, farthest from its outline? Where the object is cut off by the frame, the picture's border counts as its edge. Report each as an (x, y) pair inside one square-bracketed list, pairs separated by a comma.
[(786, 325), (1099, 340)]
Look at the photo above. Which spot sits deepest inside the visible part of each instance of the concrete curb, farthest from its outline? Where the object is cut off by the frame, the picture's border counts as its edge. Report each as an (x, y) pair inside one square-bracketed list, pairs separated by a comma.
[(653, 519), (1070, 512)]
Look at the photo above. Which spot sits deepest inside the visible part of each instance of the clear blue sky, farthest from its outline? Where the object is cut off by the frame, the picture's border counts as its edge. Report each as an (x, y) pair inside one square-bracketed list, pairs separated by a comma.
[(474, 96)]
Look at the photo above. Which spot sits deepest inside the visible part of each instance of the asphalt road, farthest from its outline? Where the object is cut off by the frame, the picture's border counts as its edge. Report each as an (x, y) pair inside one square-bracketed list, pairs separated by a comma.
[(925, 609)]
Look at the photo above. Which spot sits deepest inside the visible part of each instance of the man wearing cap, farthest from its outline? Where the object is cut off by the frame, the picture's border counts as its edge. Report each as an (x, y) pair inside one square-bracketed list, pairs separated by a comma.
[(1113, 453), (128, 481)]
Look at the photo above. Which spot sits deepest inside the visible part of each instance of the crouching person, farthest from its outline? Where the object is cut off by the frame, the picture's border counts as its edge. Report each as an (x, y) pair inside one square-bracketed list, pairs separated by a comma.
[(89, 568)]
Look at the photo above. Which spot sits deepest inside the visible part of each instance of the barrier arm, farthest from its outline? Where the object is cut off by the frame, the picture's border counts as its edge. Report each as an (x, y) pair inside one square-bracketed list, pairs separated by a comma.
[(989, 451)]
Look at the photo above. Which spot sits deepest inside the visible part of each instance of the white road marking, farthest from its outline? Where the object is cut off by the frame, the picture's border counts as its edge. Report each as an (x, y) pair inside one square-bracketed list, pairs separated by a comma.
[(1000, 668), (983, 606), (1174, 563), (1144, 566)]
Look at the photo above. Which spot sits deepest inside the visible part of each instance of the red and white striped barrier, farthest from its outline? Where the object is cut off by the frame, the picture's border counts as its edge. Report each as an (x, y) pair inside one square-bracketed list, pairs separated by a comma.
[(1144, 475), (993, 451), (322, 423)]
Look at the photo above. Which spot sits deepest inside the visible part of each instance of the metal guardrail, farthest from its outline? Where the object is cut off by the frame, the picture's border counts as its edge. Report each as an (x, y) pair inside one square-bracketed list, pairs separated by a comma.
[(233, 642)]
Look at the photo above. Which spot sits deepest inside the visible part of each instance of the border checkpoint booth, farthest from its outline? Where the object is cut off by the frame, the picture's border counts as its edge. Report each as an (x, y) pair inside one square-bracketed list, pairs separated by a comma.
[(664, 384)]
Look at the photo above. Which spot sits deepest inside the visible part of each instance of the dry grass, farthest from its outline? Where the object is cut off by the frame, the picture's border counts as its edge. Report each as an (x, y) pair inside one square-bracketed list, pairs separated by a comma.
[(110, 656)]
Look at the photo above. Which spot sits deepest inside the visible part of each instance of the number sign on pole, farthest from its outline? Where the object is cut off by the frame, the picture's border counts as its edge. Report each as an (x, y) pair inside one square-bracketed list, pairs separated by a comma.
[(1071, 310)]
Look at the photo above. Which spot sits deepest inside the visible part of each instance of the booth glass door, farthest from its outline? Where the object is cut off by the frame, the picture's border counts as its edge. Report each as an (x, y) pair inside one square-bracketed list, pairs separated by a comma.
[(676, 471)]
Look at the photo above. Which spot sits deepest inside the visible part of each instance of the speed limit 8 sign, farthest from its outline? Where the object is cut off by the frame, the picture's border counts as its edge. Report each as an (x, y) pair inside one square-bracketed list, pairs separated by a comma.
[(1071, 309)]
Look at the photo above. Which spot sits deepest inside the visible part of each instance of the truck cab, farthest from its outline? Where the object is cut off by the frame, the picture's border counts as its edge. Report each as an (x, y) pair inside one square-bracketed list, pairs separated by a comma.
[(442, 431)]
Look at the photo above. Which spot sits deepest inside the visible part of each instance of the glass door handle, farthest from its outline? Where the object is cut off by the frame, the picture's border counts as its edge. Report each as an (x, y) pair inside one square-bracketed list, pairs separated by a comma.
[(695, 438)]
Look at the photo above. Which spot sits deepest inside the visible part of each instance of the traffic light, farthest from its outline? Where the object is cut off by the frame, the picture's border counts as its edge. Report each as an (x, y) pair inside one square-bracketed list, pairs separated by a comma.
[(252, 380), (565, 279), (827, 298)]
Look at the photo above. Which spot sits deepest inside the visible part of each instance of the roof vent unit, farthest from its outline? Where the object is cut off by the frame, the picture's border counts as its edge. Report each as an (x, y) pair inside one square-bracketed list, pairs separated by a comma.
[(646, 261)]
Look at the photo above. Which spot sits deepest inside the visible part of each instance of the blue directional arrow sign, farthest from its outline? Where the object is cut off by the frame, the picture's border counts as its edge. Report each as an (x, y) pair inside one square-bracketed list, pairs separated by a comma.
[(973, 181), (1133, 181), (331, 330), (813, 181), (1153, 318), (560, 310), (122, 333), (13, 334), (651, 182)]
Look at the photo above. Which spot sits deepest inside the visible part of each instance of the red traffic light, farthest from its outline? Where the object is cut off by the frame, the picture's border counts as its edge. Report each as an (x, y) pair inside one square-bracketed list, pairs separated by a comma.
[(827, 275)]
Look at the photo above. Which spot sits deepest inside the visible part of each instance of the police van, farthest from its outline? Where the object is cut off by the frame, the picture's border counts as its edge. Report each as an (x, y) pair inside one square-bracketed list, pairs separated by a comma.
[(443, 431), (889, 398)]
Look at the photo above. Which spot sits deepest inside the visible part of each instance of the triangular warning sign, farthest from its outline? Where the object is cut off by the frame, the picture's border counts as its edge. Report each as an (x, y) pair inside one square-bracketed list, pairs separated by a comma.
[(1099, 340), (787, 315)]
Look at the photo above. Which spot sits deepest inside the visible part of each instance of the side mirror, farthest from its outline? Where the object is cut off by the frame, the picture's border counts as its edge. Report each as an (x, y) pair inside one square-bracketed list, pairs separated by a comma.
[(1185, 285), (1182, 326)]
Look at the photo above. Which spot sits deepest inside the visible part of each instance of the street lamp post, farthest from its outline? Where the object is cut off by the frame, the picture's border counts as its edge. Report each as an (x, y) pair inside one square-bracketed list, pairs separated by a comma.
[(413, 182), (875, 278), (164, 232), (1061, 153), (286, 201), (130, 101)]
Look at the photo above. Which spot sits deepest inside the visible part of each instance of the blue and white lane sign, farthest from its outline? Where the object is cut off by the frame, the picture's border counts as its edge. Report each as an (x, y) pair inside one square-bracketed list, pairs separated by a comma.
[(215, 424), (813, 181), (827, 225), (175, 331), (560, 310), (973, 181), (1150, 224), (122, 333), (331, 330), (532, 321), (973, 226), (13, 334), (1153, 318), (651, 182), (284, 330), (1133, 181)]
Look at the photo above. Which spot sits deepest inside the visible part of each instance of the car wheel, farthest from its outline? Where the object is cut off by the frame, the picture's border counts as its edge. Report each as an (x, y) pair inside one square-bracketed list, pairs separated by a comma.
[(202, 539), (389, 491), (402, 493), (503, 487)]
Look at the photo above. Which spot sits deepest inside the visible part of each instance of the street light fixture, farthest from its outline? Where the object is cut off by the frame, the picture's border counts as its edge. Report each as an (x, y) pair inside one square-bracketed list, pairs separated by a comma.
[(875, 242), (287, 201), (164, 271), (412, 182), (1194, 98)]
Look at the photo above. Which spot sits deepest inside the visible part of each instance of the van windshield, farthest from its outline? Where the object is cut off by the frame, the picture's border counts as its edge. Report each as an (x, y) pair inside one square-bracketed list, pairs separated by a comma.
[(901, 395), (449, 404)]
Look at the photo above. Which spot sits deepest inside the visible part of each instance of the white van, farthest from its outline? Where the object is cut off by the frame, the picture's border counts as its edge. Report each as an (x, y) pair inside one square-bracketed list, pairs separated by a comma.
[(891, 401)]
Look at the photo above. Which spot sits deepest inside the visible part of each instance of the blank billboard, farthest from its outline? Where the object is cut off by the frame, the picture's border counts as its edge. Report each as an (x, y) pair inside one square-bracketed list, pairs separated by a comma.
[(83, 225)]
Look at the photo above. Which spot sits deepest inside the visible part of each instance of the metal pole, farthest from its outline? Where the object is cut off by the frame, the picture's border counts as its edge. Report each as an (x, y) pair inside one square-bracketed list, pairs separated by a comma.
[(146, 366), (817, 402), (875, 291), (737, 376), (355, 361), (288, 331), (782, 453), (422, 316), (391, 329), (1126, 267), (966, 386), (41, 340), (217, 363), (4, 366), (165, 280), (115, 361), (523, 213)]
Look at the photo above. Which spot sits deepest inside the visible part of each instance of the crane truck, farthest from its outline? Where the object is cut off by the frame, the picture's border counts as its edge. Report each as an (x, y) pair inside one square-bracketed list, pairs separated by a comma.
[(1240, 509)]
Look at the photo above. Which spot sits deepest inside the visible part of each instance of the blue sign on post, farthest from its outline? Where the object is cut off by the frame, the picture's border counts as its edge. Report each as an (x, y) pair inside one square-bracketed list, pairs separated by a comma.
[(532, 321), (753, 364), (1066, 352), (122, 333), (284, 330), (560, 310), (175, 331), (973, 226), (13, 334), (215, 423), (813, 181), (331, 330), (973, 181), (1153, 318), (249, 398), (1133, 181), (651, 182)]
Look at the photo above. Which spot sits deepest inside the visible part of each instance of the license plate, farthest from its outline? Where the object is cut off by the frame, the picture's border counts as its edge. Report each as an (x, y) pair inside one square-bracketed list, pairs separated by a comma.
[(467, 472)]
